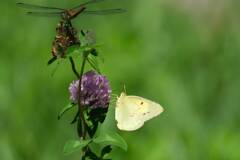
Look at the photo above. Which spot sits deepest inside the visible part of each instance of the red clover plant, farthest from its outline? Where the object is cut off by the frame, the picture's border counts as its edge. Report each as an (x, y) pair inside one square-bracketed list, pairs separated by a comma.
[(91, 94)]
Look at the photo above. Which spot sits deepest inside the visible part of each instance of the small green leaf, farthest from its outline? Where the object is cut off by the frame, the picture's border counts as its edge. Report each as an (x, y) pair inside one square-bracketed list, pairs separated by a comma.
[(93, 62), (65, 109), (111, 139), (74, 145)]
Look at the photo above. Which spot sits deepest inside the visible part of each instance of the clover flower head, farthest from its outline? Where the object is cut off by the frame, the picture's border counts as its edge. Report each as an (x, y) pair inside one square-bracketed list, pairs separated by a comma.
[(95, 90)]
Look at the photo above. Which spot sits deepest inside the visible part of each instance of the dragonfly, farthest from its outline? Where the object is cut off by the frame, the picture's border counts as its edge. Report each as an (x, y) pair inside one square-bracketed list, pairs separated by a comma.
[(66, 35), (68, 14)]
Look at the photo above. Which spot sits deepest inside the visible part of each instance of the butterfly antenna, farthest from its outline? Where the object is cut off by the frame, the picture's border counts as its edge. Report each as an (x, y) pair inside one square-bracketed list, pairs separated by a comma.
[(124, 88)]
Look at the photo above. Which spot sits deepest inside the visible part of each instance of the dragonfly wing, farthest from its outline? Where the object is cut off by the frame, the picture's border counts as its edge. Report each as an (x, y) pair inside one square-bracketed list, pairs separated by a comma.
[(105, 12), (44, 14), (39, 7), (88, 2)]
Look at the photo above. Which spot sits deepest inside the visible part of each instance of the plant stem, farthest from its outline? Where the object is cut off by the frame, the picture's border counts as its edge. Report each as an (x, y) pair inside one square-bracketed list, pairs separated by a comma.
[(80, 108), (73, 67), (78, 76)]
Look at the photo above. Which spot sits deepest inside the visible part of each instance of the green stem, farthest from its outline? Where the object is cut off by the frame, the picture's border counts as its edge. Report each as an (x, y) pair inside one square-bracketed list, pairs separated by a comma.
[(73, 67), (80, 108)]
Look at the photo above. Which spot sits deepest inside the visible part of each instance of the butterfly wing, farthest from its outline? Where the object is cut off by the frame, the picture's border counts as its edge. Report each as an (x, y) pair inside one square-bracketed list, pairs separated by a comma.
[(132, 111), (146, 108), (127, 115)]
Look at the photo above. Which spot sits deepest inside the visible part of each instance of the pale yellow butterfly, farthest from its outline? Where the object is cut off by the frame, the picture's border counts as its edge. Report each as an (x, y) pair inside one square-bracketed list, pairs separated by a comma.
[(132, 111)]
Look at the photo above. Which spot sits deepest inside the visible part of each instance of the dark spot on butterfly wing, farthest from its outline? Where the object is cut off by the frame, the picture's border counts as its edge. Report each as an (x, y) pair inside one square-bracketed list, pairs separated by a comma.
[(145, 113)]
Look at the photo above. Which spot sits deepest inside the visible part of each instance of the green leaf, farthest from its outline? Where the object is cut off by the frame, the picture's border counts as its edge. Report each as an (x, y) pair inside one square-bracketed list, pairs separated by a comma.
[(107, 149), (93, 62), (95, 116), (65, 109), (74, 145), (111, 139)]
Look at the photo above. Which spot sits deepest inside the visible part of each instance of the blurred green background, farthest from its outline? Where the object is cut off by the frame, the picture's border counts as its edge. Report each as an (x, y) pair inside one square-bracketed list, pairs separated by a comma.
[(182, 54)]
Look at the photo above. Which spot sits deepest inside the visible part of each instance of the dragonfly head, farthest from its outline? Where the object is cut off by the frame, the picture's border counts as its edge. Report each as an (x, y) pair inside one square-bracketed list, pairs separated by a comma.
[(65, 15)]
